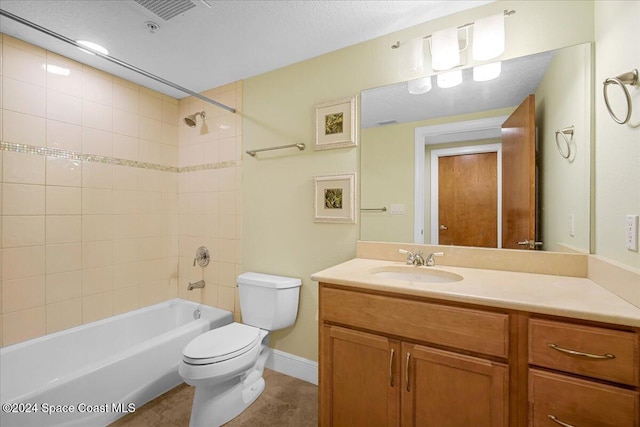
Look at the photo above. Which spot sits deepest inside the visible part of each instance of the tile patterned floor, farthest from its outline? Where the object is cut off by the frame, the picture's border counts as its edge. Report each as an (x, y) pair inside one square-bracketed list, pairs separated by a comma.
[(285, 402)]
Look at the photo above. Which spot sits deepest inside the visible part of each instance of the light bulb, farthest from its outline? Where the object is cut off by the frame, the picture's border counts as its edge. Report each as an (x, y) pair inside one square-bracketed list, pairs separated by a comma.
[(419, 86), (483, 73), (449, 79)]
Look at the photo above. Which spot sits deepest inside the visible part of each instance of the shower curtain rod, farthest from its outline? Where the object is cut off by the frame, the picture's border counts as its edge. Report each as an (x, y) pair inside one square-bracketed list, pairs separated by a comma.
[(112, 59)]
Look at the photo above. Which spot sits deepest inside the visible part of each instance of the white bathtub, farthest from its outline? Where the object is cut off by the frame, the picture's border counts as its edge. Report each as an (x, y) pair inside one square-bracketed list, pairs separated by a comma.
[(93, 374)]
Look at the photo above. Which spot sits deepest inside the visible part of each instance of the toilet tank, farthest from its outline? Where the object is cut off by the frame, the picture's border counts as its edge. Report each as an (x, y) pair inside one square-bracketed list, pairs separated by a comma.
[(268, 302)]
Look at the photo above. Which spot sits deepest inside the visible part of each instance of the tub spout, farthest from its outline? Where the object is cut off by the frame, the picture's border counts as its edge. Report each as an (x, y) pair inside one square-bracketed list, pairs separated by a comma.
[(194, 285)]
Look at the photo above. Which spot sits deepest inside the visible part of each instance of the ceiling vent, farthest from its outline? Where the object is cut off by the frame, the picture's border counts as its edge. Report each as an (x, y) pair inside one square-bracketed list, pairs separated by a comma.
[(166, 9)]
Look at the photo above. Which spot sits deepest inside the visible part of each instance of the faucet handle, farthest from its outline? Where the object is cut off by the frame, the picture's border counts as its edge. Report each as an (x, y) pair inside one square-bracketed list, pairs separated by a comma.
[(410, 255), (438, 254), (430, 262)]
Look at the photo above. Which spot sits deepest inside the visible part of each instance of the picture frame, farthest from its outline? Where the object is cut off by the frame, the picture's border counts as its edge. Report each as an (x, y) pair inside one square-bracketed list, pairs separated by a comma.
[(335, 124), (335, 198)]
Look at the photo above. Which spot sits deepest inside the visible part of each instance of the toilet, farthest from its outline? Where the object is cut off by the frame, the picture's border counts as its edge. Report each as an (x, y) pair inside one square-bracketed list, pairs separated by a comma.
[(225, 364)]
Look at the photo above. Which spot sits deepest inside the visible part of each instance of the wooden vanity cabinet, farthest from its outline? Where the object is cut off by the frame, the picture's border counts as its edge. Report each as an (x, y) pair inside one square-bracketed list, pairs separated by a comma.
[(379, 365), (582, 375)]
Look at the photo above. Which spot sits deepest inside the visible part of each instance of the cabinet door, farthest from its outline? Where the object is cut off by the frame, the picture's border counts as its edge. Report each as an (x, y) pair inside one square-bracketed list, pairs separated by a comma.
[(359, 377), (444, 389)]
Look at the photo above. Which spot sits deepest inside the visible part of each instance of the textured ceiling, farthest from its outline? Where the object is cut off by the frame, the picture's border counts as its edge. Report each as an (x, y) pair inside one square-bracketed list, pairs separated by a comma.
[(206, 47)]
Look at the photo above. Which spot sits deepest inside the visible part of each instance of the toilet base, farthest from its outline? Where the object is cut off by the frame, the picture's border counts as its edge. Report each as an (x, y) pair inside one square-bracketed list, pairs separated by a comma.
[(220, 403)]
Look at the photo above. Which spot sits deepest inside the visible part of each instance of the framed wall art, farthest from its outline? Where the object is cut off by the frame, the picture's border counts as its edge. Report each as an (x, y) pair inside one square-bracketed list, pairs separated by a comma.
[(336, 125), (335, 198)]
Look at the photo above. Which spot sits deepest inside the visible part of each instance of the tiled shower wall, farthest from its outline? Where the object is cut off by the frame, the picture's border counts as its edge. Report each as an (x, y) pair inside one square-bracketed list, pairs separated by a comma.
[(210, 197), (91, 210)]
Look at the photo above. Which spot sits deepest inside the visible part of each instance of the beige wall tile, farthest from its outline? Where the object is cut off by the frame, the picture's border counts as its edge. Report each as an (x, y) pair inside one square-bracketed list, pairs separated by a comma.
[(170, 134), (226, 298), (125, 123), (97, 89), (21, 294), (169, 112), (64, 315), (23, 168), (64, 107), (63, 172), (63, 229), (97, 201), (96, 307), (97, 280), (97, 227), (23, 325), (24, 66), (126, 98), (63, 200), (150, 129), (97, 116), (125, 202), (23, 199), (150, 105), (227, 274), (125, 275), (125, 178), (22, 128), (125, 226), (69, 81), (23, 97), (18, 263), (125, 299), (149, 293), (27, 47), (150, 202), (97, 175), (97, 254), (96, 141), (149, 151), (64, 136), (150, 180), (125, 147), (63, 286), (63, 258), (125, 250), (23, 230)]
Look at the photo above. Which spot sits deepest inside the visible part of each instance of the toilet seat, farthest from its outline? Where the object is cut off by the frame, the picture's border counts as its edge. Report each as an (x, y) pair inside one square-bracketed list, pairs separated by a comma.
[(221, 344)]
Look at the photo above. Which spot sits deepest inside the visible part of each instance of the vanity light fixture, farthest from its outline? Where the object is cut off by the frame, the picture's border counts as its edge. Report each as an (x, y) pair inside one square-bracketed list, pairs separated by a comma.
[(445, 53), (488, 37), (419, 86), (93, 46), (486, 72), (449, 79)]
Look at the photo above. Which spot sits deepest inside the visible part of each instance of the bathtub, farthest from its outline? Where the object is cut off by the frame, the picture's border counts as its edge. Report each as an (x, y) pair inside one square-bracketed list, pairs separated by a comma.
[(93, 374)]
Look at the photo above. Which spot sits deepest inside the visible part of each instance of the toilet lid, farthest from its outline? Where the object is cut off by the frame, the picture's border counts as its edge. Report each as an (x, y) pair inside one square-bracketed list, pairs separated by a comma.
[(221, 344)]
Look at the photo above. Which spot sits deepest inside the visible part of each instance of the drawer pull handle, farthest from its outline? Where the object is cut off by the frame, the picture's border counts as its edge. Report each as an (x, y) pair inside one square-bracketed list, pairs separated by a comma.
[(391, 358), (556, 420), (579, 353), (406, 375)]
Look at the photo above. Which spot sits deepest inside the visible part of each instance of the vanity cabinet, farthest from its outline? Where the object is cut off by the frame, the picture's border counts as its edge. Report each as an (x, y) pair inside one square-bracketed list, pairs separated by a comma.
[(594, 380), (389, 361)]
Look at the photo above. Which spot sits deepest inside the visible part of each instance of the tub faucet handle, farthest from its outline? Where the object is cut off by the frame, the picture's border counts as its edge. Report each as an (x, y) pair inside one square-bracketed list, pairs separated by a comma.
[(202, 257)]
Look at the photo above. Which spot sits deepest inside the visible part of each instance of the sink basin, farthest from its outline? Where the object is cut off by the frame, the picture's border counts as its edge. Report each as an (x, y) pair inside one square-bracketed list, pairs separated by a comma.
[(416, 274)]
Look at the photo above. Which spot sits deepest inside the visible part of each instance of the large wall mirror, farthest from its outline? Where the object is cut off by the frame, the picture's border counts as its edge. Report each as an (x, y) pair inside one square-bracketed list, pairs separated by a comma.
[(504, 163)]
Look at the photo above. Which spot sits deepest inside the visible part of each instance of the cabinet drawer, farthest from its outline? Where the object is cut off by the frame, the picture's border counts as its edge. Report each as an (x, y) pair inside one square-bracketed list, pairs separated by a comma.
[(595, 352), (579, 403), (467, 329)]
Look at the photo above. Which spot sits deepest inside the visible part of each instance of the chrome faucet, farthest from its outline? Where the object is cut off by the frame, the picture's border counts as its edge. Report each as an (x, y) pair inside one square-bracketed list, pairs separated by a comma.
[(194, 285), (413, 259), (431, 259)]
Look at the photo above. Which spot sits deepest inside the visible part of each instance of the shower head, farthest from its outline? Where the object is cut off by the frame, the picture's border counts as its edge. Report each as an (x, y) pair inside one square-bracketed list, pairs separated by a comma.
[(190, 120)]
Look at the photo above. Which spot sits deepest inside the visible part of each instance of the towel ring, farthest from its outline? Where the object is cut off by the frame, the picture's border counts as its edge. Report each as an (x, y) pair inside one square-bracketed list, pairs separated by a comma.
[(564, 132), (630, 78)]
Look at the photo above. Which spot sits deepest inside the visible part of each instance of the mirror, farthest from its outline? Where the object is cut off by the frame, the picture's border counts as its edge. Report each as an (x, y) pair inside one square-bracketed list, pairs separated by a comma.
[(404, 195)]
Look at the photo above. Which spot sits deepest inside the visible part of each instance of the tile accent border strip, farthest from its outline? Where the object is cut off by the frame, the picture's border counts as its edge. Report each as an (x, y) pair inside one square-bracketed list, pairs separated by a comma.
[(72, 155)]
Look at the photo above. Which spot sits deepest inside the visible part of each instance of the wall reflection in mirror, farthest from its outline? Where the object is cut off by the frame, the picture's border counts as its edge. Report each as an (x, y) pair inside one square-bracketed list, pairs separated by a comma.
[(483, 163)]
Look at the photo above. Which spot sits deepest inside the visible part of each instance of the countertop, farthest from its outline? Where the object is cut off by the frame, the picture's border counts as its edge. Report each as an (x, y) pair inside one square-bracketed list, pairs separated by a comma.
[(579, 298)]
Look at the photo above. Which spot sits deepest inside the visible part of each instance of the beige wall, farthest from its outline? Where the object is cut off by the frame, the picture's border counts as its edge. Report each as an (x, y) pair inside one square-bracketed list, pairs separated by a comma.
[(279, 235), (83, 238), (617, 147), (563, 99)]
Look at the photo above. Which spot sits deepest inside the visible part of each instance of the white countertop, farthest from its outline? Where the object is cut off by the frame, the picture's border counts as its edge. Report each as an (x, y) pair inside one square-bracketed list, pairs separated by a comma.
[(574, 297)]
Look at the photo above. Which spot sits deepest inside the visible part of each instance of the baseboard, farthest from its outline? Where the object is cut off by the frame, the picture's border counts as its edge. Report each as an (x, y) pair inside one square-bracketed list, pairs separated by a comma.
[(294, 366)]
